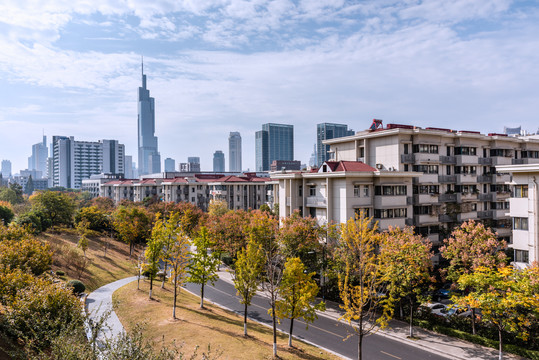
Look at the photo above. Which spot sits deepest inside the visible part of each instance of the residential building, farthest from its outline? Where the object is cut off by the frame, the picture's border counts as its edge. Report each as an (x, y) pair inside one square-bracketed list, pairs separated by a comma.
[(38, 159), (93, 184), (218, 161), (279, 165), (337, 191), (6, 169), (149, 159), (273, 142), (458, 180), (326, 131), (74, 161), (234, 152), (240, 192), (524, 212), (170, 165)]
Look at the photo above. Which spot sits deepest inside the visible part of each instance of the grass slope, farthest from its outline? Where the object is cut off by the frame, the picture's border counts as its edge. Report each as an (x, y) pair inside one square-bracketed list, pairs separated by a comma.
[(220, 328), (100, 270)]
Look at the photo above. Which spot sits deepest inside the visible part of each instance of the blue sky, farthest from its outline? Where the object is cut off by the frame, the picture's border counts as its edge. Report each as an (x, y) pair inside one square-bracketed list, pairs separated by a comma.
[(214, 66)]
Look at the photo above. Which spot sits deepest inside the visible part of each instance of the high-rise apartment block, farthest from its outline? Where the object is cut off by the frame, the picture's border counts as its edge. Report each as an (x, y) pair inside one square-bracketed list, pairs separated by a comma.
[(234, 152), (149, 159), (40, 154), (170, 165), (326, 131), (273, 142), (6, 169), (218, 161), (74, 161)]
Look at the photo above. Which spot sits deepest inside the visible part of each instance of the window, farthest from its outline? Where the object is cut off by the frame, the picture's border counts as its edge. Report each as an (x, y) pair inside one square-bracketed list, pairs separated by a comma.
[(466, 189), (521, 191), (521, 256), (499, 205), (422, 210), (365, 211), (472, 170), (390, 190), (300, 190), (465, 150), (427, 169), (357, 191), (366, 190), (499, 188), (520, 223), (530, 154), (500, 152), (312, 190), (426, 189), (405, 149), (390, 213), (425, 148)]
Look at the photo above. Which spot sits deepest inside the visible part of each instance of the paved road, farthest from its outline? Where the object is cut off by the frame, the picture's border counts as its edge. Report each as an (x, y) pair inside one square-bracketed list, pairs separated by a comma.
[(325, 332)]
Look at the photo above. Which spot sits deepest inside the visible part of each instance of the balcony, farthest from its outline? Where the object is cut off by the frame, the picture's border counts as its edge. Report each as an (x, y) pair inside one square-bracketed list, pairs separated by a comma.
[(409, 200), (425, 219), (519, 161), (447, 179), (446, 218), (409, 222), (501, 178), (448, 197), (316, 201), (484, 178), (466, 178), (485, 161), (407, 158), (448, 160), (426, 198), (485, 197), (484, 214)]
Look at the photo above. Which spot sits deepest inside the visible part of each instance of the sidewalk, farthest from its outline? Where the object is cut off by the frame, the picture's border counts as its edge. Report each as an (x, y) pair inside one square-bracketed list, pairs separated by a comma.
[(428, 340)]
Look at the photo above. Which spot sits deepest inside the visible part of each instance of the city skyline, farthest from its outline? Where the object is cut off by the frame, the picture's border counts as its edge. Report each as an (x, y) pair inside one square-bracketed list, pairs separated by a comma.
[(233, 66)]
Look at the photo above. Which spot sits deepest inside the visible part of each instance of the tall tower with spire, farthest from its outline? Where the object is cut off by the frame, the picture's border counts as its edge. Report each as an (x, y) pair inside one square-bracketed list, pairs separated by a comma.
[(149, 159)]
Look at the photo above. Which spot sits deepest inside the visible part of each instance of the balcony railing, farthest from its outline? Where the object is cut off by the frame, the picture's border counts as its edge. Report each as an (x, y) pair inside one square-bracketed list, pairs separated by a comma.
[(447, 197), (315, 201), (409, 200), (446, 218), (409, 222), (448, 160), (407, 158), (444, 179), (485, 161), (484, 214), (484, 178), (485, 197), (519, 161)]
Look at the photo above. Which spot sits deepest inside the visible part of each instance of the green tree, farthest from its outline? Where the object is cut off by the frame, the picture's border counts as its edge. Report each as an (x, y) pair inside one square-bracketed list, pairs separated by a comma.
[(298, 291), (83, 229), (29, 189), (247, 271), (58, 208), (360, 276), (505, 295), (406, 263), (153, 252), (132, 225), (9, 195), (217, 208), (204, 263), (6, 214), (97, 219), (18, 192), (471, 246), (178, 260), (167, 230)]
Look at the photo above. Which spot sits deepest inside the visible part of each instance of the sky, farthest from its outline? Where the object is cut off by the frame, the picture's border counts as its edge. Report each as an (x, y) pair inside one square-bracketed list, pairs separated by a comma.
[(73, 68)]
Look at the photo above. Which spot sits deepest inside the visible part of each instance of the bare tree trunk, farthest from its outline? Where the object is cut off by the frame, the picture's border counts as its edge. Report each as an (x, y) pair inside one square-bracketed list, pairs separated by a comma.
[(202, 296), (411, 317), (473, 321), (151, 285), (164, 276), (175, 297), (359, 343), (245, 321), (290, 334), (274, 322), (500, 352)]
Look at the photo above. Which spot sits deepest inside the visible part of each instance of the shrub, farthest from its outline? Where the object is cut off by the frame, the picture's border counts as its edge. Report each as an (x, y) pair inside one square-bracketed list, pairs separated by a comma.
[(77, 286), (6, 215), (60, 273), (26, 254)]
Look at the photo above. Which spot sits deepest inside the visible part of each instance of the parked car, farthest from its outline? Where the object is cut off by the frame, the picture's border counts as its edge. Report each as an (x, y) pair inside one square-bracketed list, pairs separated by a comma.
[(433, 308)]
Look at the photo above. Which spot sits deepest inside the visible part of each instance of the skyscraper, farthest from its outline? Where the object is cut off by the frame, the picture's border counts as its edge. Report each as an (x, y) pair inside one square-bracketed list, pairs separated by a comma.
[(113, 157), (273, 142), (6, 169), (38, 160), (326, 131), (128, 173), (170, 165), (234, 152), (218, 161), (149, 159)]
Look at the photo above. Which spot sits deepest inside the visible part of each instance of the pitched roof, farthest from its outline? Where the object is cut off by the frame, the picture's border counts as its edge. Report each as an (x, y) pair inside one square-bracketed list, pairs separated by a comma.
[(355, 166)]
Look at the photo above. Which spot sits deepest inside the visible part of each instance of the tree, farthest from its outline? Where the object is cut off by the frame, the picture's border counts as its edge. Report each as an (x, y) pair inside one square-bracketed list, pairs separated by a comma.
[(360, 276), (167, 230), (18, 192), (6, 214), (9, 195), (504, 295), (406, 262), (247, 270), (298, 291), (178, 259), (204, 263), (29, 189), (83, 228), (230, 231), (57, 207), (26, 253), (96, 218), (471, 246), (217, 208), (153, 252), (132, 225)]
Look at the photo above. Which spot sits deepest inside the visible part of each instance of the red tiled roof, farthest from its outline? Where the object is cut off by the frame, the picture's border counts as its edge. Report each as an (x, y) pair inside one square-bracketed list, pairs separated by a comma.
[(354, 166)]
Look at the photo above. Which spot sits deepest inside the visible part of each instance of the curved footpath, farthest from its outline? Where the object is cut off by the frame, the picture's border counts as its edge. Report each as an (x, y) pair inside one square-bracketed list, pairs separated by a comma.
[(100, 301)]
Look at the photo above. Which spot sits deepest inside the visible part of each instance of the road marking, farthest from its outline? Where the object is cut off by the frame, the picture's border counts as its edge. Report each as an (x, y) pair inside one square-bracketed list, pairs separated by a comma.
[(396, 357)]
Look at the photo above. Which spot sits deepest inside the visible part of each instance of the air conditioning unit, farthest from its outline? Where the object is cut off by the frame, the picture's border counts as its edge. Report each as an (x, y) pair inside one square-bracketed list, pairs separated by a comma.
[(379, 166)]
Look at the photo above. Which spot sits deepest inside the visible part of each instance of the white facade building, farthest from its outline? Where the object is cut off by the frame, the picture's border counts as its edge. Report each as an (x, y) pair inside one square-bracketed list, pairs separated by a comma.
[(524, 210)]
